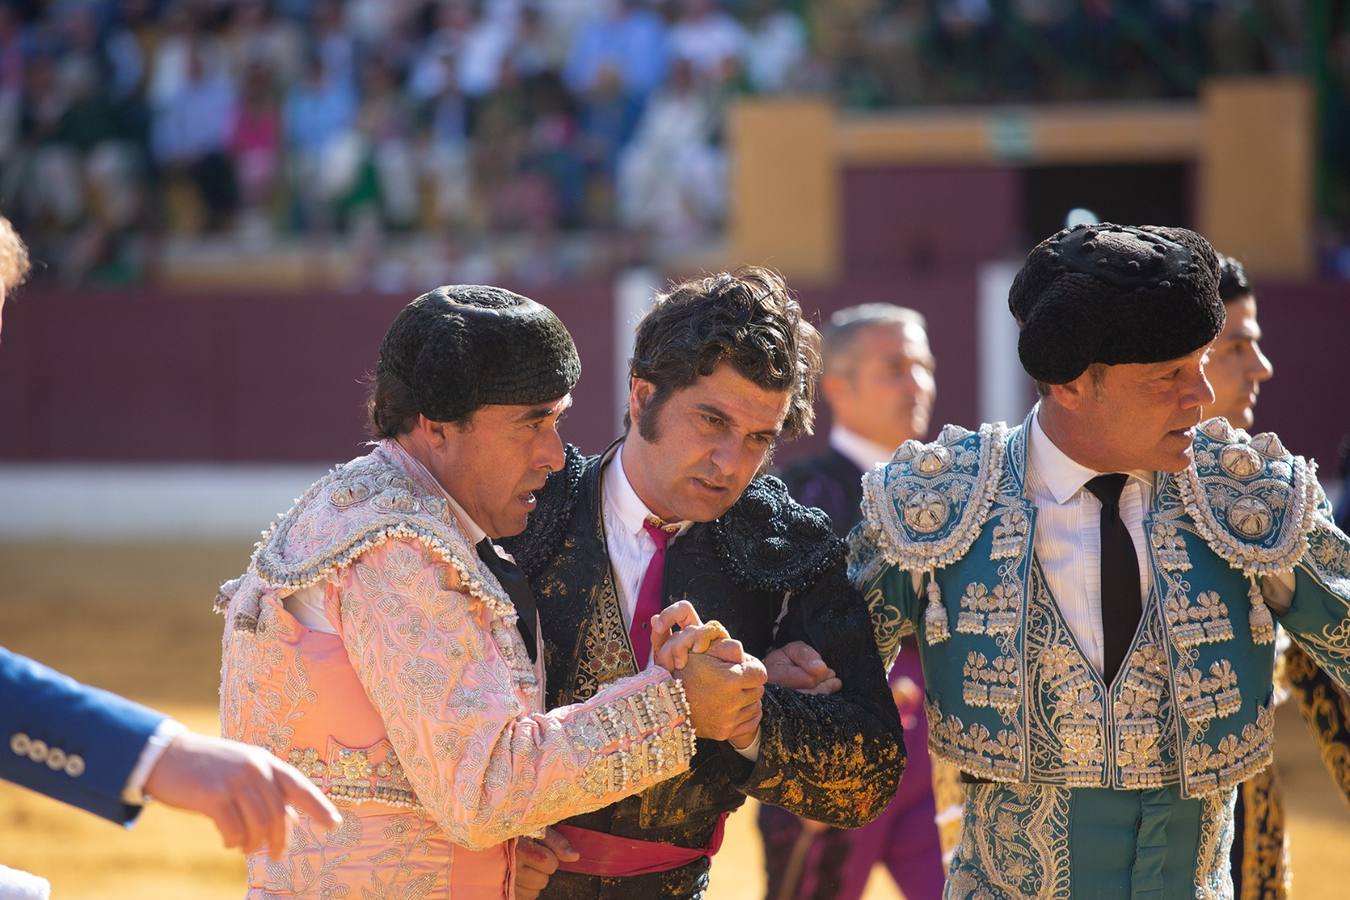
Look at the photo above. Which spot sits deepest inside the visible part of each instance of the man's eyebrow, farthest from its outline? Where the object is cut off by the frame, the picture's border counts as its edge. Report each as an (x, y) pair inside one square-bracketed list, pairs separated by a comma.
[(714, 410), (537, 413)]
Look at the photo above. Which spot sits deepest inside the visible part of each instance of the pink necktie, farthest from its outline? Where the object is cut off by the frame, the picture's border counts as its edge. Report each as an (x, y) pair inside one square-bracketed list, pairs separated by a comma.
[(649, 595)]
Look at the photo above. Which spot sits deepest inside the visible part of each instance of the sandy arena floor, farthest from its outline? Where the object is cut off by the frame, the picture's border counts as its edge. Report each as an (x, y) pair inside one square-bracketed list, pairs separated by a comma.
[(137, 619)]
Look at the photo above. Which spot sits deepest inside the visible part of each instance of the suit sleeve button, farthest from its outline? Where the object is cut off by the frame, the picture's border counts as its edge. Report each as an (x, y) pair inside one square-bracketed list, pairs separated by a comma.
[(37, 751), (56, 759), (74, 765), (20, 743)]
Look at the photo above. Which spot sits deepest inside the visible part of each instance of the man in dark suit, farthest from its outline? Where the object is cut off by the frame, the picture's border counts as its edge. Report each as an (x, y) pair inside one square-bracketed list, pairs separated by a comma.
[(878, 380), (679, 510), (107, 755)]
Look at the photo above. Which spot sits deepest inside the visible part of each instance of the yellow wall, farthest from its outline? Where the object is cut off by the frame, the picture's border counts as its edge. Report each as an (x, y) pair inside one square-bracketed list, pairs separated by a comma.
[(1252, 141), (1256, 174)]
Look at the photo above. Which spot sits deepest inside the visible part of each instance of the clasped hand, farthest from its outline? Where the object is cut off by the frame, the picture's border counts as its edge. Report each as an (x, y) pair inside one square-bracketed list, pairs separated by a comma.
[(722, 682)]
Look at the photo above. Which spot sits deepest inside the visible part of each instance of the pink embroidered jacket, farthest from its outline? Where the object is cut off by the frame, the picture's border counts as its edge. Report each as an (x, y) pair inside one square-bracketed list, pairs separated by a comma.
[(422, 717)]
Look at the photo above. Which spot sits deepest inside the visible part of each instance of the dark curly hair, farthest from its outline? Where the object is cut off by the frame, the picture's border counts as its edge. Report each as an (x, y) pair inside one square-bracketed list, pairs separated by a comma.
[(746, 318)]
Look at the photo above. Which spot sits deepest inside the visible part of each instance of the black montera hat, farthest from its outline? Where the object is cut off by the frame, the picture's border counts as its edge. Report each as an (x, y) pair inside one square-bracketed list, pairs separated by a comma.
[(463, 346), (1114, 294)]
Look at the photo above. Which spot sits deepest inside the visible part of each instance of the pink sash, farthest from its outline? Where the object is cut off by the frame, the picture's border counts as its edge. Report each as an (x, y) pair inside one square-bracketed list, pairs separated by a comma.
[(613, 856)]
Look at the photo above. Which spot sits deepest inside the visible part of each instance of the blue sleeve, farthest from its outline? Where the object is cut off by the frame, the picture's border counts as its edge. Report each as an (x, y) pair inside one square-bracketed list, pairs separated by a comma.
[(68, 741)]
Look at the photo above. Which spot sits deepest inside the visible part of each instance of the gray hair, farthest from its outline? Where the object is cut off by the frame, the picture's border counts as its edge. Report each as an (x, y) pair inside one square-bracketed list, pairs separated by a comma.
[(842, 332)]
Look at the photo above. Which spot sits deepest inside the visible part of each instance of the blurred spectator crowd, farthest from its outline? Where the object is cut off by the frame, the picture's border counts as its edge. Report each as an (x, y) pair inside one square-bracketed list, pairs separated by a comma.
[(589, 132)]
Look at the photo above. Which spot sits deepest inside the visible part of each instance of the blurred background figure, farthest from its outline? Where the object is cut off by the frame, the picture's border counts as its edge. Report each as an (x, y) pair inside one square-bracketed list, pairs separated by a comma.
[(878, 380), (1237, 368)]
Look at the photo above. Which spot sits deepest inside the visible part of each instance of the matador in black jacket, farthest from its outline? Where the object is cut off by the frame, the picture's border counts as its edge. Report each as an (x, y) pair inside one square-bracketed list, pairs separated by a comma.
[(770, 570)]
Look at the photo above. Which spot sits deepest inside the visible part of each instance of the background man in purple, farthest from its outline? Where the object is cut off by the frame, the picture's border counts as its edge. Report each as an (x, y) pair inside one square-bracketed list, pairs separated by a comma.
[(878, 380)]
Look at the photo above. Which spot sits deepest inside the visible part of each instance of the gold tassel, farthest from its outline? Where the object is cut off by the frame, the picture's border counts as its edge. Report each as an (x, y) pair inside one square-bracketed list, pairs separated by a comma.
[(935, 616), (1260, 621)]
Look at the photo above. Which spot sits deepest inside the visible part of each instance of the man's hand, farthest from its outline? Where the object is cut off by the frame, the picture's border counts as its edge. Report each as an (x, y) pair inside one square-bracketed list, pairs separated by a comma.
[(245, 790), (671, 651), (537, 860), (799, 666), (724, 698)]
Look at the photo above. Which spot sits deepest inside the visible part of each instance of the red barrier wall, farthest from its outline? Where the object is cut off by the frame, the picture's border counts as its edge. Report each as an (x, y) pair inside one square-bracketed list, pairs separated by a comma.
[(148, 377)]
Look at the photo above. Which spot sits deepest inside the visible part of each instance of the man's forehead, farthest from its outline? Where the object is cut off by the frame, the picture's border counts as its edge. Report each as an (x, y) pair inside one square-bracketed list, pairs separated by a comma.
[(523, 411), (889, 339), (737, 397), (1168, 364)]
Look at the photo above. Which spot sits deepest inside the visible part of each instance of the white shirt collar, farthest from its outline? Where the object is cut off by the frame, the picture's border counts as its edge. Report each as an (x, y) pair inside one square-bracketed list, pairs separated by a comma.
[(413, 466), (1060, 474), (622, 501), (864, 453)]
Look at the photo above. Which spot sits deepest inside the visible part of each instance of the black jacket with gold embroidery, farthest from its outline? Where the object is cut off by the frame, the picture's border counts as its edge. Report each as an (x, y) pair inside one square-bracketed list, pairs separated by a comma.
[(836, 759)]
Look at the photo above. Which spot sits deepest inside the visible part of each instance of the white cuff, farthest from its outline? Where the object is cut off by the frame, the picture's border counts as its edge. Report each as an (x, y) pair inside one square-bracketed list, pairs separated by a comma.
[(133, 794), (751, 750)]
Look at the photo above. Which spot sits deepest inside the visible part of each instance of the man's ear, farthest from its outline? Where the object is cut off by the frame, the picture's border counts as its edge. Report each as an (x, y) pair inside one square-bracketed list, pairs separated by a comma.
[(640, 392), (431, 431), (832, 386), (1072, 394)]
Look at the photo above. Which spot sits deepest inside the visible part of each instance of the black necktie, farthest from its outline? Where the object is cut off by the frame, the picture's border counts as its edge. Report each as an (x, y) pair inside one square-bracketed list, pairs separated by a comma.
[(517, 586), (1120, 576)]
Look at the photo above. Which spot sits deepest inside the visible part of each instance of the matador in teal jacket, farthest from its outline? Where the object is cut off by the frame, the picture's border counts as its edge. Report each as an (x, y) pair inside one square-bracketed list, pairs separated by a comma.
[(1086, 777)]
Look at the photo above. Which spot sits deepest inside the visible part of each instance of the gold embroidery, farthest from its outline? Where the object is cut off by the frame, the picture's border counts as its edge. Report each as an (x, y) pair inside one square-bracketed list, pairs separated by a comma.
[(920, 490), (1264, 851), (997, 685), (888, 625), (1236, 759), (1215, 697), (974, 749), (1259, 525), (1205, 621), (1326, 709), (1065, 715), (606, 654), (348, 775), (990, 612), (1213, 874), (1145, 730), (1014, 843)]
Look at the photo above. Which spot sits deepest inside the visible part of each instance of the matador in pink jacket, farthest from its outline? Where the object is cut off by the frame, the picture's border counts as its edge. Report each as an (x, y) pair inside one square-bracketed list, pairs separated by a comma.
[(381, 643)]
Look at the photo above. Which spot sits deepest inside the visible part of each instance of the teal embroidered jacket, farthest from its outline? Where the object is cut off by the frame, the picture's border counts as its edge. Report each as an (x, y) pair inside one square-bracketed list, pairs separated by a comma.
[(1012, 699)]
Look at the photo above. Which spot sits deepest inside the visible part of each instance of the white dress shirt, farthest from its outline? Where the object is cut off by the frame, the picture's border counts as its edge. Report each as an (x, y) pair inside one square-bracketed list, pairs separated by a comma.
[(1068, 540), (629, 545), (864, 453), (631, 548)]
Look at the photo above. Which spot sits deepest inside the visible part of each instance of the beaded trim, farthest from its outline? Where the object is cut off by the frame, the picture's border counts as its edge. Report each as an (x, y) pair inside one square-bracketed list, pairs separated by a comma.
[(941, 469), (415, 517), (648, 747), (1257, 462), (350, 776)]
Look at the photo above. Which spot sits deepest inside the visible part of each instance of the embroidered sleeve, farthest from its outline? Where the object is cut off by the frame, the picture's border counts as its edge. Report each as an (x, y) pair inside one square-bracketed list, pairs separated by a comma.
[(1319, 616), (440, 667), (834, 759), (891, 595)]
